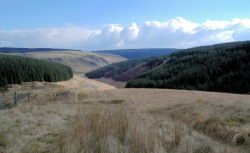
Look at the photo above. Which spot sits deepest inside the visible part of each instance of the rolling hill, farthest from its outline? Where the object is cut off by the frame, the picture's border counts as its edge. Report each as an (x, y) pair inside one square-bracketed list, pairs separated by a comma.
[(139, 53), (152, 118), (80, 61), (25, 50), (222, 67)]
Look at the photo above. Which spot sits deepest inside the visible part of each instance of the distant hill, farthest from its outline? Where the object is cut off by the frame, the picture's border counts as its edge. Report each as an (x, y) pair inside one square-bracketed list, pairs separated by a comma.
[(139, 53), (223, 68), (127, 70), (80, 61), (15, 70), (25, 50)]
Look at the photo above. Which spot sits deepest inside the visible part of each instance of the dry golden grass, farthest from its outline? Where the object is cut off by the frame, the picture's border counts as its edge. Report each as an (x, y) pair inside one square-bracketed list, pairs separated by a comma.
[(84, 84), (88, 133), (64, 119), (3, 139), (106, 130), (223, 122), (115, 130), (97, 128)]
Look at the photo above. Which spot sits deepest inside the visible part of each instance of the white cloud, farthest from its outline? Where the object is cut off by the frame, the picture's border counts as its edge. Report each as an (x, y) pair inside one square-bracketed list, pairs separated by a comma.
[(177, 32), (213, 24)]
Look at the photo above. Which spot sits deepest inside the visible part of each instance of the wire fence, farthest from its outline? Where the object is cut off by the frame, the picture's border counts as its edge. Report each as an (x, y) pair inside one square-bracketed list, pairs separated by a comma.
[(37, 96)]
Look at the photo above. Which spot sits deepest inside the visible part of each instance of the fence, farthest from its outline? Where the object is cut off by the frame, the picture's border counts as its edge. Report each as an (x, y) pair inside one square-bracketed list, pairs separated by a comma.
[(37, 96)]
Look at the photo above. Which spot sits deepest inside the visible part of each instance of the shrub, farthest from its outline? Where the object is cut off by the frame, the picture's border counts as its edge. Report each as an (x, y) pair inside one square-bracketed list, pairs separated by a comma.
[(204, 149), (3, 140)]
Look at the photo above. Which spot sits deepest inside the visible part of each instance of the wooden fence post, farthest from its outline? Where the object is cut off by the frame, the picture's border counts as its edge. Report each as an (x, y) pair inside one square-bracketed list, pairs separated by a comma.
[(28, 97), (15, 98)]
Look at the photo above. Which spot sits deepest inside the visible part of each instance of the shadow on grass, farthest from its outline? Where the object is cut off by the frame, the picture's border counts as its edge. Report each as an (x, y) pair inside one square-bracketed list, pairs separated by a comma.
[(116, 101)]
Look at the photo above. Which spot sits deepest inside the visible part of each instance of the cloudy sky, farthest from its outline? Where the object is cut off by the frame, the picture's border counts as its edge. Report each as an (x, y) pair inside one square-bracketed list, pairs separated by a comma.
[(111, 24)]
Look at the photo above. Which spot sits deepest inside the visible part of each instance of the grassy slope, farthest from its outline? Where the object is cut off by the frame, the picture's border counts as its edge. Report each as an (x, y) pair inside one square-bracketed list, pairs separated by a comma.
[(140, 53), (129, 119), (223, 67), (78, 60), (24, 50), (127, 70)]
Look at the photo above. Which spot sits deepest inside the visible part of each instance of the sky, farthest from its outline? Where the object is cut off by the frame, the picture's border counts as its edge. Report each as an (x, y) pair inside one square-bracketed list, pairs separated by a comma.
[(115, 24)]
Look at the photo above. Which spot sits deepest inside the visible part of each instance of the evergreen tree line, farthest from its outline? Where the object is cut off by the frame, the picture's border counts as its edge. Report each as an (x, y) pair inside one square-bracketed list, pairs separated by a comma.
[(222, 68), (15, 70)]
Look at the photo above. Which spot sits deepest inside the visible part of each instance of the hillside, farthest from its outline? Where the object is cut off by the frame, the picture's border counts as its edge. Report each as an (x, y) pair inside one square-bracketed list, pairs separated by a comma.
[(127, 70), (64, 120), (79, 61), (25, 50), (139, 53), (223, 67), (15, 70)]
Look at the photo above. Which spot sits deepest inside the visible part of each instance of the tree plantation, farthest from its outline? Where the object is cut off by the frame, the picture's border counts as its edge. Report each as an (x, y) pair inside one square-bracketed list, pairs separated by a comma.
[(223, 68), (15, 70)]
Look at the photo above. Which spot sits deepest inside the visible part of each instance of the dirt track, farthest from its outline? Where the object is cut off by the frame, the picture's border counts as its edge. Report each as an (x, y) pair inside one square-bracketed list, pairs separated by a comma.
[(82, 83)]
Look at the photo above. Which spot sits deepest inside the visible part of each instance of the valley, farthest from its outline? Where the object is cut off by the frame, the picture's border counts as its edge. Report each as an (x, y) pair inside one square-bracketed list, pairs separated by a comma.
[(124, 76), (96, 114)]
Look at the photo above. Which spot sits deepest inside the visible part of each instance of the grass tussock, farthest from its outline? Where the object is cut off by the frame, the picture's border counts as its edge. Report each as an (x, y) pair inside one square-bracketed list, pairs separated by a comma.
[(91, 133), (116, 101), (204, 149), (82, 96), (216, 129), (3, 140), (111, 131), (224, 123), (238, 119), (228, 131), (178, 131), (141, 141)]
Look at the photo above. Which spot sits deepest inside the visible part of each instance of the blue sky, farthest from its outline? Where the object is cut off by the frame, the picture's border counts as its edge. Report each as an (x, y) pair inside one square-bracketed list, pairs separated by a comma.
[(25, 14), (95, 17)]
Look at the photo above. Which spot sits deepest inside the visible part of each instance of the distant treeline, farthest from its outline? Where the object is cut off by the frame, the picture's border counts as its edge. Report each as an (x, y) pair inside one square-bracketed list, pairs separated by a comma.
[(15, 70), (222, 68), (24, 50)]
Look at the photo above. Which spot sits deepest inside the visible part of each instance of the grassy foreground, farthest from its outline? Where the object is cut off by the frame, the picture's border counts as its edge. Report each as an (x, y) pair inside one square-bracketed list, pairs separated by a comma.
[(125, 121)]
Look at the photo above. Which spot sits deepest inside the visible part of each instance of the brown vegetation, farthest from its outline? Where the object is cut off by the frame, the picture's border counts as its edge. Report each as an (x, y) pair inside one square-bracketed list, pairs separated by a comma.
[(107, 130), (61, 119)]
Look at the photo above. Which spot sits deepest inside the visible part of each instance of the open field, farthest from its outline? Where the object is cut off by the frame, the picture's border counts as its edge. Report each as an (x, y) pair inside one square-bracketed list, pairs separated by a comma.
[(63, 117)]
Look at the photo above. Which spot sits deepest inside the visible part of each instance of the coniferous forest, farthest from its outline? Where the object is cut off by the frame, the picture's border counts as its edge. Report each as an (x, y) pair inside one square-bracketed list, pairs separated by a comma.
[(222, 68), (15, 70)]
